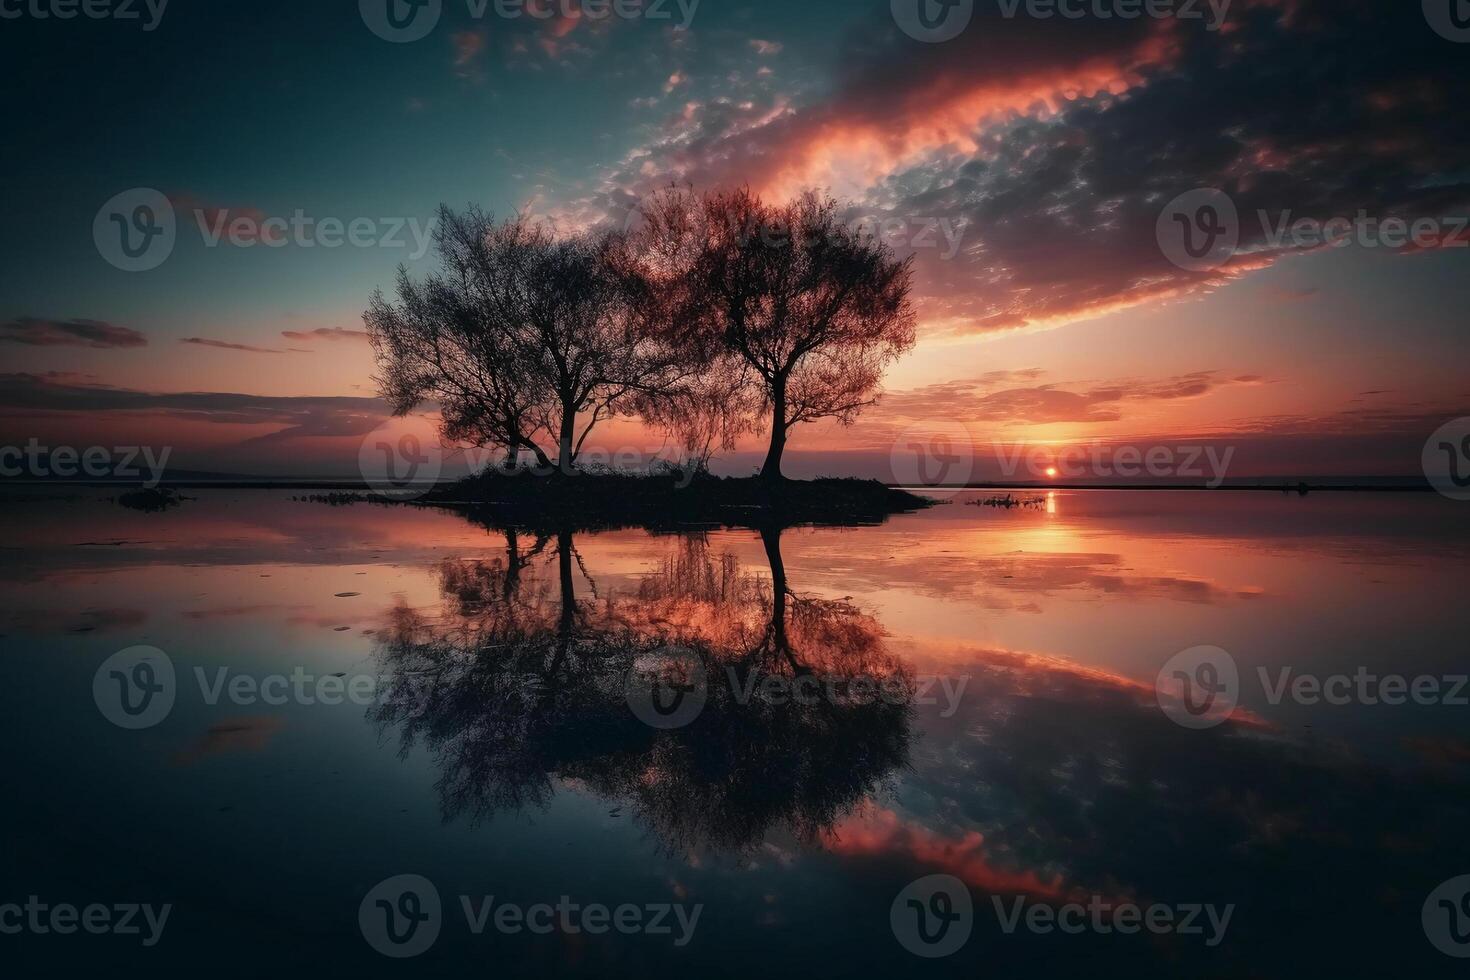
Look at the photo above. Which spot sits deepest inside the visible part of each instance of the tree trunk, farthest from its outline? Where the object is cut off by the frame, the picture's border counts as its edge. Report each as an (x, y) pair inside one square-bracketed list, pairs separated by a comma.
[(512, 563), (565, 457), (541, 460), (771, 538), (772, 468), (566, 628), (568, 590)]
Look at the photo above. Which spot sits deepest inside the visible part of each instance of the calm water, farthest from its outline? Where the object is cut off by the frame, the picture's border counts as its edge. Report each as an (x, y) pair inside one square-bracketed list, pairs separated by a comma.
[(1014, 742)]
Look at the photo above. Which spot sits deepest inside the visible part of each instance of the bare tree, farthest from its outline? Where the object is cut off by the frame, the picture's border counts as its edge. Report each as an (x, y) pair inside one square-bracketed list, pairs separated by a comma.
[(810, 310), (525, 335), (437, 344)]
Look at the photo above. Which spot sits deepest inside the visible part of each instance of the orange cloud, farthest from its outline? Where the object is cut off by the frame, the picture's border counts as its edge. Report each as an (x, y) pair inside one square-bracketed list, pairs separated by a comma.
[(881, 832)]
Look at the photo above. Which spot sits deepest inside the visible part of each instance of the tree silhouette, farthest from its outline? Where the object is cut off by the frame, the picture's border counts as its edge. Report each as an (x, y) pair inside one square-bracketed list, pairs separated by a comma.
[(810, 310), (525, 336)]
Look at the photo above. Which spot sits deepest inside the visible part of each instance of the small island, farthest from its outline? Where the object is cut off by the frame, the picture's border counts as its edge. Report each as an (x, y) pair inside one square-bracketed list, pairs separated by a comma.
[(666, 501)]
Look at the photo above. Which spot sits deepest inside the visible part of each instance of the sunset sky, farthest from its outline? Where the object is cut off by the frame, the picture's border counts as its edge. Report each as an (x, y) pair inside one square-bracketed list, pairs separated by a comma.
[(1031, 158)]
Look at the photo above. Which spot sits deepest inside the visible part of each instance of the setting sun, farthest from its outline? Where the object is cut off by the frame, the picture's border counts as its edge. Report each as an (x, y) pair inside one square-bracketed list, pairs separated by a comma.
[(1051, 471)]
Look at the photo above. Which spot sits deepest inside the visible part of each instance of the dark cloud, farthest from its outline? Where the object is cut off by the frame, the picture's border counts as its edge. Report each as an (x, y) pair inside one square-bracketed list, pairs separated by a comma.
[(225, 345), (1289, 295), (1415, 421), (305, 416), (96, 334), (1316, 109), (1056, 144), (325, 333)]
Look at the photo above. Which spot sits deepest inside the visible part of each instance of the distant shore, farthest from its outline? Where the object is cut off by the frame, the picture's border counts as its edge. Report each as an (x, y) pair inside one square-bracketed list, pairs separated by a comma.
[(1405, 487), (358, 486)]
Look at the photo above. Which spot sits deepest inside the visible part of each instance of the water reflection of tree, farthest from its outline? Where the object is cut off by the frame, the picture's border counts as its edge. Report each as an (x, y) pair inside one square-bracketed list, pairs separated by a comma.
[(517, 684)]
